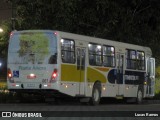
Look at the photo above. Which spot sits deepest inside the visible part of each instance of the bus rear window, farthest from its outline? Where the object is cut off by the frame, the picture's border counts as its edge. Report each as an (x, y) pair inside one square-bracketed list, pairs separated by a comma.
[(34, 47)]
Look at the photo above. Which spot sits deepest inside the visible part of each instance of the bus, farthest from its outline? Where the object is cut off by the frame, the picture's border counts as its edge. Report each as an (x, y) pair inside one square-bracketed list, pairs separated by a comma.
[(58, 63)]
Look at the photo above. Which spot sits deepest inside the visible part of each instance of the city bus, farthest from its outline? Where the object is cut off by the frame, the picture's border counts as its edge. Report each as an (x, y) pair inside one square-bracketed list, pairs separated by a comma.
[(58, 63)]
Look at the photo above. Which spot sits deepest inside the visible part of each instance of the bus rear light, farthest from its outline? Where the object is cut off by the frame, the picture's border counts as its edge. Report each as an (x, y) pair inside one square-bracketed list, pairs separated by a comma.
[(54, 74), (11, 34), (55, 33), (9, 73)]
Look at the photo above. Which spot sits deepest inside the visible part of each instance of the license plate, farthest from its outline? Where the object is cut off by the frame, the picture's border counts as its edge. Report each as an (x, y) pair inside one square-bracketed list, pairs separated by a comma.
[(30, 85)]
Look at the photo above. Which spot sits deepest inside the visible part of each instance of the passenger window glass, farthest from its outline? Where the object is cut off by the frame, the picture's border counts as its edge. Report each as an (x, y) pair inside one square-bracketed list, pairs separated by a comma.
[(140, 60), (108, 56), (131, 59), (67, 51), (135, 60), (95, 52), (101, 55)]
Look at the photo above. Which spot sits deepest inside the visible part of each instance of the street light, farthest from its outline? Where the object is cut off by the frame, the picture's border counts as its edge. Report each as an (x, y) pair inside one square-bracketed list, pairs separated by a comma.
[(1, 30)]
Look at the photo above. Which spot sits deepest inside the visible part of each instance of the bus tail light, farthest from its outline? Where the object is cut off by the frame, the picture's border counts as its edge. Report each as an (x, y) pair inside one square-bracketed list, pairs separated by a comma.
[(54, 75), (11, 34), (9, 73)]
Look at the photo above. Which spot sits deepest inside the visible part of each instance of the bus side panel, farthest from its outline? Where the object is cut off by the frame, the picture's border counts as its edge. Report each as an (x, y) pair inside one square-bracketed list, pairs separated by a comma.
[(133, 80), (69, 79)]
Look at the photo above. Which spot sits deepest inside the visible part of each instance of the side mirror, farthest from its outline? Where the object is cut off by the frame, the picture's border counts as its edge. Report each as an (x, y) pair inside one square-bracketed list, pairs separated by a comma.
[(152, 77)]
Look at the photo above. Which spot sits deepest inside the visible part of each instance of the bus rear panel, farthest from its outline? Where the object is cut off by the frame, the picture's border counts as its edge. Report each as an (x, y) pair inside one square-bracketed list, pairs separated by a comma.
[(32, 60)]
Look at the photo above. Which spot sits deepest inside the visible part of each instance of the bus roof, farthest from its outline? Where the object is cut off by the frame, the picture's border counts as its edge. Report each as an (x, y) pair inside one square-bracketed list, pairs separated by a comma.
[(92, 39), (104, 41)]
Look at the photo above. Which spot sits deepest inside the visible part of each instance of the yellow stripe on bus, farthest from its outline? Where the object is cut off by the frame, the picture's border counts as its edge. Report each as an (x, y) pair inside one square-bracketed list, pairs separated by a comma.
[(103, 69), (94, 75), (71, 74)]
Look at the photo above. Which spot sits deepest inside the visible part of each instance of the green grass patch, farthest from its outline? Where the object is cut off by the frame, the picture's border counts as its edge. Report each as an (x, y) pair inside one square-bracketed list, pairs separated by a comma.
[(3, 85), (157, 89), (157, 85)]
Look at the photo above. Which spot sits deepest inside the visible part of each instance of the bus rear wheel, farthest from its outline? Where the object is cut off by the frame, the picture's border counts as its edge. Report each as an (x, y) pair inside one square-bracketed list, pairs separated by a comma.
[(96, 94), (139, 97)]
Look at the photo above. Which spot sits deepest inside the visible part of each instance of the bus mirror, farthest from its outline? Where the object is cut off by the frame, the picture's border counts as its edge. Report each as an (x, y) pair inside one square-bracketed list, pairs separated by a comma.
[(152, 77), (152, 67)]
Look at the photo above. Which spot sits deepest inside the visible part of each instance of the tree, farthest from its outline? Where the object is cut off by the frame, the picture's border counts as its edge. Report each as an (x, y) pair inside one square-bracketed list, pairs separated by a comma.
[(136, 21), (4, 37)]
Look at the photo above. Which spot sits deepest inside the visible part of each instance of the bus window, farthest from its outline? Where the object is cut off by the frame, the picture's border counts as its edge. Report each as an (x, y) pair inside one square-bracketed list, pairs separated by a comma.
[(53, 59), (131, 59), (67, 51), (32, 47), (108, 56), (95, 52), (140, 60)]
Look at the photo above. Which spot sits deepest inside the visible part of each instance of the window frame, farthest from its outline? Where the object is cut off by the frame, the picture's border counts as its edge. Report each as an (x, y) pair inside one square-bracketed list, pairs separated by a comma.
[(114, 61), (135, 60), (74, 50), (143, 61), (101, 55), (131, 59), (95, 54)]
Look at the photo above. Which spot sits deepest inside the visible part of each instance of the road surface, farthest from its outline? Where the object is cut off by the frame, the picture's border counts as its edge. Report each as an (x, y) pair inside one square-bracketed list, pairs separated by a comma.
[(73, 109)]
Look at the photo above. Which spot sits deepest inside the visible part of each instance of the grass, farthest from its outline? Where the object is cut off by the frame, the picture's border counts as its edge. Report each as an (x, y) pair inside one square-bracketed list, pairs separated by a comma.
[(4, 93), (157, 86), (3, 85), (157, 89)]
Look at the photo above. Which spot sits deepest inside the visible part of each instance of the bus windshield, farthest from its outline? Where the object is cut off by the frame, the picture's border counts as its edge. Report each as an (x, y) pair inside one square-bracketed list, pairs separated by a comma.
[(32, 48)]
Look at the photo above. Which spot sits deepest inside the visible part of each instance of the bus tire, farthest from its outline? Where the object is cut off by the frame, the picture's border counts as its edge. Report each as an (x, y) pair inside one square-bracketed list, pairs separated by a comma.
[(96, 94), (139, 97)]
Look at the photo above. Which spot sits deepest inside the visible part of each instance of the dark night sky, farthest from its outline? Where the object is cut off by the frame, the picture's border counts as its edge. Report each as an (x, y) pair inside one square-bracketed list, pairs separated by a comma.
[(5, 11)]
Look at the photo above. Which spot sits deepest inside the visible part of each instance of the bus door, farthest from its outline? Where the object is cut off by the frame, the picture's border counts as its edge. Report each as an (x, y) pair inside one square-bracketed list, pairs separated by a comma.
[(150, 77), (81, 55), (120, 74)]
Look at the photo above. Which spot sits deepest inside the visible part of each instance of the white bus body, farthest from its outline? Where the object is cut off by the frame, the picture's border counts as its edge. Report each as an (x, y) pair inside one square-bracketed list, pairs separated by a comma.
[(58, 62)]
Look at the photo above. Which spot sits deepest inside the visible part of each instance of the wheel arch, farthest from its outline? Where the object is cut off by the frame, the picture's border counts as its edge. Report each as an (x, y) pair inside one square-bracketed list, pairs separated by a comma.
[(97, 82)]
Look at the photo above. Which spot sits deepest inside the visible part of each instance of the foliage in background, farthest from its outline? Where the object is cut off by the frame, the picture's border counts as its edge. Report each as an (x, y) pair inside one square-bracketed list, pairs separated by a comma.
[(157, 89), (4, 37), (132, 21), (157, 85), (158, 72)]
